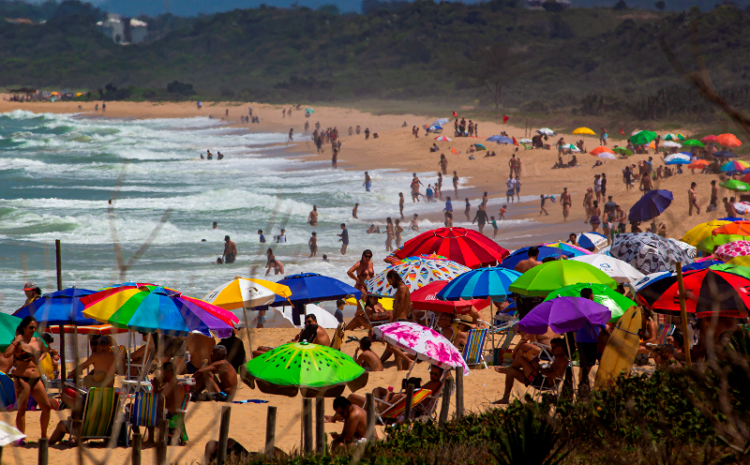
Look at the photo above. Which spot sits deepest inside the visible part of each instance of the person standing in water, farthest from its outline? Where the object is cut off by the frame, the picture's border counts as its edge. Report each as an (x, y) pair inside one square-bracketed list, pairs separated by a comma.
[(354, 211), (230, 251), (389, 233), (467, 210), (313, 244), (455, 183), (344, 238), (401, 204), (291, 135), (368, 182), (312, 218), (398, 230)]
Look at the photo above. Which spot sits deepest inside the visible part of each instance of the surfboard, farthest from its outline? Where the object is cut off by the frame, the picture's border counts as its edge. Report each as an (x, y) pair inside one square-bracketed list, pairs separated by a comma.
[(621, 349)]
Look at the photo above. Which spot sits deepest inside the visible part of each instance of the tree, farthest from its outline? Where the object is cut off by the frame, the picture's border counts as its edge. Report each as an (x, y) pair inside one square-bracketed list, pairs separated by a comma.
[(621, 5), (660, 5), (491, 66)]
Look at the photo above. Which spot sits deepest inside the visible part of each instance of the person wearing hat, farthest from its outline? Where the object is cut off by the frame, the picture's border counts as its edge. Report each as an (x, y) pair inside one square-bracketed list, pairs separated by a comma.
[(32, 292)]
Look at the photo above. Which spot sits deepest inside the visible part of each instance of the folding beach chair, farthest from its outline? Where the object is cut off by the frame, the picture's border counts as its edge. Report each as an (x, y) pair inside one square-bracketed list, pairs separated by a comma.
[(99, 414), (394, 413), (474, 348), (338, 337), (177, 422), (147, 410), (663, 332)]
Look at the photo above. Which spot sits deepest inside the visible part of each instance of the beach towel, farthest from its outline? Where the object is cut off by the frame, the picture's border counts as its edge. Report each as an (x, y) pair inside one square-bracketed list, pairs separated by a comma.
[(250, 401)]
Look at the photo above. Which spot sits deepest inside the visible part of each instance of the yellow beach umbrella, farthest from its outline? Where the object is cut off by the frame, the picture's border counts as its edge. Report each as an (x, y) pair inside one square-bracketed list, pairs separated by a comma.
[(584, 130), (386, 302), (742, 260), (246, 293), (702, 231)]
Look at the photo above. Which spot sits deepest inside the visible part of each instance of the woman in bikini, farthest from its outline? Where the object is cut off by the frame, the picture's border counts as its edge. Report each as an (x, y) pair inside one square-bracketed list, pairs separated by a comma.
[(28, 351)]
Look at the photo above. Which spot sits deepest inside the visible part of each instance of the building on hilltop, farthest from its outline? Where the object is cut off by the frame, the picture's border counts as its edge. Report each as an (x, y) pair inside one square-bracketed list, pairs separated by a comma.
[(123, 30)]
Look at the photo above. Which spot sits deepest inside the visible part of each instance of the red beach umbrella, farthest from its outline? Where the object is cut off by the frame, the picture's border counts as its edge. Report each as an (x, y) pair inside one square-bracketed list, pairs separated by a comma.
[(461, 245), (425, 298), (728, 140)]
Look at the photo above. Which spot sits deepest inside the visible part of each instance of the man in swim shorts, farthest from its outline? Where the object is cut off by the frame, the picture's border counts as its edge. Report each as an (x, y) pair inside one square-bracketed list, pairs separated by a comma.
[(230, 251)]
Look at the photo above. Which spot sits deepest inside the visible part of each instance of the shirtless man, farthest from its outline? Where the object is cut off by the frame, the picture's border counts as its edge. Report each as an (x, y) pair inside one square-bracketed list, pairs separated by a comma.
[(355, 423), (435, 384), (646, 184), (566, 200), (230, 251), (455, 183), (367, 358), (200, 348), (525, 265), (321, 336), (373, 229), (219, 379), (362, 271), (693, 200), (373, 311), (165, 383), (401, 299), (312, 218), (105, 366), (368, 182), (530, 372)]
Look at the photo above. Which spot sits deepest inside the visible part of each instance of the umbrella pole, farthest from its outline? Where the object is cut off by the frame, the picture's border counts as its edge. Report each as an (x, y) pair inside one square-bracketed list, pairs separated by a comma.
[(247, 330), (64, 367), (143, 364), (683, 315), (75, 352), (130, 339), (572, 373)]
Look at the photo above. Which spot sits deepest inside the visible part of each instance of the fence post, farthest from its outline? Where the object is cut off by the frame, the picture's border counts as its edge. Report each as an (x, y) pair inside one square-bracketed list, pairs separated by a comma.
[(459, 392), (447, 387), (307, 426), (370, 406), (409, 398), (161, 443), (320, 428), (224, 435), (137, 445), (270, 431), (58, 260), (43, 451)]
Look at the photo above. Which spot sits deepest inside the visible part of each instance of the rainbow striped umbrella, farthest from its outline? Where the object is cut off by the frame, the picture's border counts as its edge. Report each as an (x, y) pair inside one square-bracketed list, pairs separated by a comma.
[(484, 283), (150, 309), (415, 273), (574, 249), (734, 165)]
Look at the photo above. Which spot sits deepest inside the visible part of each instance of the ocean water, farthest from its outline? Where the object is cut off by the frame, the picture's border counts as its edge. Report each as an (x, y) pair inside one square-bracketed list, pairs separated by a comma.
[(58, 172)]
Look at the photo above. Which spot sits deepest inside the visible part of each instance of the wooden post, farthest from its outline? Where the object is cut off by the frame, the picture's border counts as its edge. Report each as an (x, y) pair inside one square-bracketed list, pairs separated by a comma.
[(320, 428), (58, 264), (223, 435), (137, 445), (459, 392), (370, 406), (409, 398), (58, 260), (447, 388), (43, 451), (683, 315), (161, 444), (270, 431), (307, 426)]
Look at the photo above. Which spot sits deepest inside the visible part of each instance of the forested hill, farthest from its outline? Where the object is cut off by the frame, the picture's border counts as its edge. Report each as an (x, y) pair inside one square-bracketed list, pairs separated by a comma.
[(422, 51)]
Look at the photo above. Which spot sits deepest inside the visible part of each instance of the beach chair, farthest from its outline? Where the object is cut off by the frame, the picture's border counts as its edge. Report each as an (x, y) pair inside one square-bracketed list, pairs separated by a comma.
[(338, 337), (177, 422), (99, 414), (473, 352), (147, 410), (394, 413), (663, 332)]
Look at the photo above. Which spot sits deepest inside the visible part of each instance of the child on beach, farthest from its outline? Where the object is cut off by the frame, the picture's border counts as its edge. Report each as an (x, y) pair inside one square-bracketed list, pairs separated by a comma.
[(503, 211), (543, 210), (261, 237), (339, 313), (313, 244), (494, 226), (413, 225)]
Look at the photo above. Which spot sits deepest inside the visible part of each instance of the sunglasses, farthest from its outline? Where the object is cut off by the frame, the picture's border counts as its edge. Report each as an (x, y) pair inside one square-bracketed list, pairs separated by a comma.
[(367, 256), (31, 328)]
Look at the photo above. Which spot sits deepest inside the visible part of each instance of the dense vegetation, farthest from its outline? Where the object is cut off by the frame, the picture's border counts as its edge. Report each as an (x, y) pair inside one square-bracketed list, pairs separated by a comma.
[(595, 60)]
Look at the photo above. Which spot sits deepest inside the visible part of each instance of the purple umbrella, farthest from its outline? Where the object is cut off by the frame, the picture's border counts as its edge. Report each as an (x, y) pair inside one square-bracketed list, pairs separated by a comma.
[(563, 315), (650, 205)]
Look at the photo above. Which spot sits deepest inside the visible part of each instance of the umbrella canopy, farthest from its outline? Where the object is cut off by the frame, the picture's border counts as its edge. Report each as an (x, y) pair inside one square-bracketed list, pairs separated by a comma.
[(728, 140), (712, 242), (650, 205), (500, 139), (309, 288), (302, 365), (732, 250), (9, 434), (674, 137), (710, 138), (512, 260), (443, 139), (601, 149), (440, 122), (743, 260), (309, 111), (698, 164), (573, 148), (95, 330), (464, 246), (525, 141), (426, 299), (152, 308), (740, 228), (702, 231), (643, 137), (623, 150), (577, 251), (648, 253), (607, 156), (550, 276), (717, 290), (484, 283), (734, 185), (415, 274), (724, 154), (59, 308), (546, 132), (693, 143), (592, 241), (247, 293), (616, 269), (563, 315), (584, 130), (479, 147), (677, 159), (742, 207), (671, 144), (734, 165), (617, 303), (423, 342)]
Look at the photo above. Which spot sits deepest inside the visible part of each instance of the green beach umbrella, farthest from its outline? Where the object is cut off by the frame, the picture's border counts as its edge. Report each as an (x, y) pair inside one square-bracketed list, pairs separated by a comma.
[(303, 366), (643, 137), (627, 152), (617, 303), (548, 277), (674, 137), (8, 326), (693, 143), (712, 242), (735, 185)]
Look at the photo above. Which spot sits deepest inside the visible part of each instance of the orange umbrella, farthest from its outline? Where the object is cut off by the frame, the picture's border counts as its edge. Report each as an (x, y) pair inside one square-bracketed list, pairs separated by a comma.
[(595, 152), (698, 164), (728, 140), (740, 228), (454, 151)]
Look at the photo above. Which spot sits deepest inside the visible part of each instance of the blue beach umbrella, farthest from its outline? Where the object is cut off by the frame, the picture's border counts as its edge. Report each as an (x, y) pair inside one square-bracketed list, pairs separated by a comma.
[(591, 240), (512, 260), (724, 154), (651, 205), (309, 288), (483, 283), (59, 308), (678, 159), (500, 139), (701, 265)]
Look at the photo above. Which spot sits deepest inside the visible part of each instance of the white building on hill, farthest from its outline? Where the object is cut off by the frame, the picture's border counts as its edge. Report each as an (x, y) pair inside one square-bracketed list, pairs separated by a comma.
[(123, 31)]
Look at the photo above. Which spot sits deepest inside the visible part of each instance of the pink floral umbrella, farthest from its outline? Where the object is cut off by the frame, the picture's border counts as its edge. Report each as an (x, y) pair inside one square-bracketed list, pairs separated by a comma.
[(423, 342), (728, 251)]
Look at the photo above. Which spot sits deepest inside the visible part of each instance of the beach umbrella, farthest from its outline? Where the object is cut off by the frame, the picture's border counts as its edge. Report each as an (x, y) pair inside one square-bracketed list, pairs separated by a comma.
[(573, 148), (150, 309), (59, 308), (728, 140), (740, 228), (440, 122), (464, 246), (592, 241), (648, 253), (708, 139), (584, 130), (548, 277), (479, 147), (601, 149), (670, 144), (426, 299), (710, 243), (650, 205), (309, 111), (425, 343), (732, 250), (620, 271), (246, 293), (674, 137), (734, 185), (566, 247), (525, 141), (734, 165), (309, 288), (623, 150), (677, 159), (546, 132), (724, 154), (643, 137), (564, 315), (9, 434), (484, 283), (719, 290), (512, 260), (415, 274), (617, 303), (742, 260), (606, 156), (700, 164), (693, 143), (498, 138), (311, 368), (699, 232), (443, 139), (702, 264), (742, 207)]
